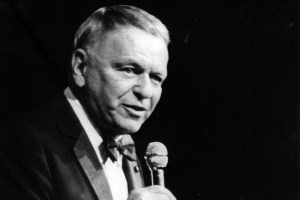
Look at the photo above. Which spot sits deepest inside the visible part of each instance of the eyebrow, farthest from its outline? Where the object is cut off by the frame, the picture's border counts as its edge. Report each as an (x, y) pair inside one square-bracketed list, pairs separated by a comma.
[(126, 60)]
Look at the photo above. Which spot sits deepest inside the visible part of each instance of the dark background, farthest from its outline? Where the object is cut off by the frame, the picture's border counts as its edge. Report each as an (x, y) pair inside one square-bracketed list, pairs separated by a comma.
[(229, 114)]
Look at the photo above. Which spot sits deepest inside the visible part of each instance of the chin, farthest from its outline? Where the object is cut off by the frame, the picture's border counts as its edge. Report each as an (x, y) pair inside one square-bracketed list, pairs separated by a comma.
[(130, 128)]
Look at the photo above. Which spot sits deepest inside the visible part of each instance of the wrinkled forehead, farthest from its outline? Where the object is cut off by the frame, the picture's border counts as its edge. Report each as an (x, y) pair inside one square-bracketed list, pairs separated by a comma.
[(127, 39), (99, 36)]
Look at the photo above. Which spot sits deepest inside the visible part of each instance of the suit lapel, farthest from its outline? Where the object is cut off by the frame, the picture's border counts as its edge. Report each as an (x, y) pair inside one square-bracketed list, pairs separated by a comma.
[(92, 167), (70, 126)]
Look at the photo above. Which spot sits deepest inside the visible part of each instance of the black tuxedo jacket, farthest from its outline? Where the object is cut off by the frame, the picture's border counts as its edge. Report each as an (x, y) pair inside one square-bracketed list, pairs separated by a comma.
[(46, 154)]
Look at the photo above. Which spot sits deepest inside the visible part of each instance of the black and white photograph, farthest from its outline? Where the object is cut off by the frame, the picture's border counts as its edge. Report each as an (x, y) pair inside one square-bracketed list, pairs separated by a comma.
[(149, 100)]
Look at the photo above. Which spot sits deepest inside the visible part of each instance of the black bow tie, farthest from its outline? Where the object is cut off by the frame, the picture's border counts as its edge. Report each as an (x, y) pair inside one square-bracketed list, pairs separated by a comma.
[(125, 146)]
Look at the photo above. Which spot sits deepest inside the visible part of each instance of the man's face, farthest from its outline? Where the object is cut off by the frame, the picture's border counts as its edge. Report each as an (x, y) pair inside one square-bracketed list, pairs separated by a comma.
[(123, 78)]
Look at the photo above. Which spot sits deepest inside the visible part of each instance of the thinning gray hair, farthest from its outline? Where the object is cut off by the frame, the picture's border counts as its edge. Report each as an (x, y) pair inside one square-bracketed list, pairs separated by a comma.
[(109, 18)]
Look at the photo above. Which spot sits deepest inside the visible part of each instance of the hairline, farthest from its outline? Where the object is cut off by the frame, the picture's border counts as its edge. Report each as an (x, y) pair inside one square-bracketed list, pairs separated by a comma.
[(92, 28), (102, 35)]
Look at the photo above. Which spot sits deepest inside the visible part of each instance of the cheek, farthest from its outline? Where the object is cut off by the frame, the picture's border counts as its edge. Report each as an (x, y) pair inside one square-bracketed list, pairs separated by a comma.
[(101, 84), (93, 80), (115, 88), (114, 92), (119, 88)]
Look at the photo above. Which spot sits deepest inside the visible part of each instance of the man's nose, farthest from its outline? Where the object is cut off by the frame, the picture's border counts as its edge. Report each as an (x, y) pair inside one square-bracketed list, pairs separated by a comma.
[(144, 88)]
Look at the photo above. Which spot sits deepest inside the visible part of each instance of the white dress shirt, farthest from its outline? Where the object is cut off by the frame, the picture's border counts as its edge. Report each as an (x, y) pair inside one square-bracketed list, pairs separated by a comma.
[(113, 170)]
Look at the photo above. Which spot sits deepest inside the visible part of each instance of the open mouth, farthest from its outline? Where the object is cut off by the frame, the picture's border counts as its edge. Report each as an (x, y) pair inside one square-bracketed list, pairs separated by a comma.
[(135, 111), (136, 108)]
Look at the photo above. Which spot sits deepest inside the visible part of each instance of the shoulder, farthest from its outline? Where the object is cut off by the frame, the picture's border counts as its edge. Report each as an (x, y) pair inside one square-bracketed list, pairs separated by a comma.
[(41, 115), (38, 125)]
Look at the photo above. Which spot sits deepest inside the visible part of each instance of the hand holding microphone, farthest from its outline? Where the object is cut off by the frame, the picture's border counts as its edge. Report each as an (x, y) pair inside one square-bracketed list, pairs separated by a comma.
[(157, 159)]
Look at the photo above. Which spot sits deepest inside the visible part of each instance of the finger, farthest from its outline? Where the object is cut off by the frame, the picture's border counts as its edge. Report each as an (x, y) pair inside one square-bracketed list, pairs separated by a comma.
[(161, 190)]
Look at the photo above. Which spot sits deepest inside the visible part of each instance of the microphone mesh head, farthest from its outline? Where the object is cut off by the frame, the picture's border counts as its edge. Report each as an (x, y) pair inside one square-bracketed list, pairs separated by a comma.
[(156, 155)]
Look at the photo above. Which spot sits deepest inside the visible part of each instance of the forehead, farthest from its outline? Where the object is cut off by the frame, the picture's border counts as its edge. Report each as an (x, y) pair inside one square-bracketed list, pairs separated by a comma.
[(134, 43)]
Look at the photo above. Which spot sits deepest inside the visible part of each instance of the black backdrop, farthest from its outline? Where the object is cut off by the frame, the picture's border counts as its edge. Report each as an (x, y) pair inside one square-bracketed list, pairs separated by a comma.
[(229, 111)]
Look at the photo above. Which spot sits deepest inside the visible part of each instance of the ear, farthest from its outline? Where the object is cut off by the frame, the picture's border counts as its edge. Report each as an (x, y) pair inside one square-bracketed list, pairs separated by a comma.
[(79, 65)]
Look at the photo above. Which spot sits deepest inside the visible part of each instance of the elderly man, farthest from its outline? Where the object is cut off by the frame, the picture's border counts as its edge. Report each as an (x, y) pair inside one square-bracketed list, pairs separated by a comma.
[(67, 148)]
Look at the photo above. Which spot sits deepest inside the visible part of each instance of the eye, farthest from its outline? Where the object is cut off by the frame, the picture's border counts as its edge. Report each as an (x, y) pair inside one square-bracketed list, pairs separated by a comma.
[(128, 69), (157, 78)]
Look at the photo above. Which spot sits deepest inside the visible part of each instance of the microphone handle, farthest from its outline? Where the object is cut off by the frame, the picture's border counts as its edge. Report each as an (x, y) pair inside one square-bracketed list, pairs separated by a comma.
[(157, 177)]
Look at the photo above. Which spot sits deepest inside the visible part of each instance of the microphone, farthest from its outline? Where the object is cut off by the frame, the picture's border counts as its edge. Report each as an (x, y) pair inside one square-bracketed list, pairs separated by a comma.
[(157, 159)]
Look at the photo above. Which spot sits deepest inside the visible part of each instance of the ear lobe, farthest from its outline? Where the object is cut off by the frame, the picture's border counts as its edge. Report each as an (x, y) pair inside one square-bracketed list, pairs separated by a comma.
[(79, 65)]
